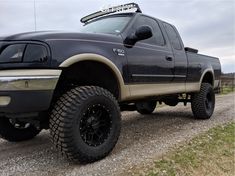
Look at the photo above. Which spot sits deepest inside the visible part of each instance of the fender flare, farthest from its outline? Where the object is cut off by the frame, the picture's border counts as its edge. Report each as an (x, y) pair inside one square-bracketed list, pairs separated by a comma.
[(208, 70), (124, 91)]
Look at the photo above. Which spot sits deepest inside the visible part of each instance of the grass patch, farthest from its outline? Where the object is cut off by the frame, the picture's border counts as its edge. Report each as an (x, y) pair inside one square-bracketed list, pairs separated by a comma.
[(227, 89), (209, 154)]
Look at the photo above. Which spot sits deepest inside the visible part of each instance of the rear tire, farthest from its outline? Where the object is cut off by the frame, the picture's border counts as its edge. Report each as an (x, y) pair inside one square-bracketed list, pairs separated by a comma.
[(203, 102), (146, 107), (10, 133), (85, 124)]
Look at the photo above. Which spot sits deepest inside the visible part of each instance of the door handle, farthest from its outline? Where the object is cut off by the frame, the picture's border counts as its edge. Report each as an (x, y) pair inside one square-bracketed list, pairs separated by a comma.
[(169, 58)]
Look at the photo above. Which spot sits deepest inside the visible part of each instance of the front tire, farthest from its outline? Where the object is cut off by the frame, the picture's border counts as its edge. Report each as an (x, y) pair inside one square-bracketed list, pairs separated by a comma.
[(203, 102), (10, 132), (85, 124)]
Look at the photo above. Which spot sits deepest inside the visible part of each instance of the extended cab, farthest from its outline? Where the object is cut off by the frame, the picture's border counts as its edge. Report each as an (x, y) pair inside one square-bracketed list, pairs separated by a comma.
[(76, 84)]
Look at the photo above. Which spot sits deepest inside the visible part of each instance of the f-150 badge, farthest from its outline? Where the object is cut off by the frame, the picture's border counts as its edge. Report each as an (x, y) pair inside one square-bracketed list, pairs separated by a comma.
[(119, 52)]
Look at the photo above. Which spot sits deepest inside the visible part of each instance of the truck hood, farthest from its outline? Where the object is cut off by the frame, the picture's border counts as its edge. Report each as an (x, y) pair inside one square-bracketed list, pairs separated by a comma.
[(56, 35)]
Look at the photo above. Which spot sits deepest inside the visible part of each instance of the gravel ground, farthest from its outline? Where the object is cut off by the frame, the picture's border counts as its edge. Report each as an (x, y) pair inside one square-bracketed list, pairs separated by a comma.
[(142, 139)]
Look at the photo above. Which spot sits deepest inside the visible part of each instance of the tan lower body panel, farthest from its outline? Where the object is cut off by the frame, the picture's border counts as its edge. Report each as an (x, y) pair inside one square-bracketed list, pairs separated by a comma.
[(139, 91)]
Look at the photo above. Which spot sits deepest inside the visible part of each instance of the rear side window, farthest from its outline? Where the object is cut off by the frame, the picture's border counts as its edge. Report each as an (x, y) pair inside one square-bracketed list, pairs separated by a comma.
[(157, 38), (35, 53), (173, 36)]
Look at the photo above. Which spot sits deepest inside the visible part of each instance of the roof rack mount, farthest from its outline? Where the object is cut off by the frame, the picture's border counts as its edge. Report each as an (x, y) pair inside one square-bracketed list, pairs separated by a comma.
[(115, 9)]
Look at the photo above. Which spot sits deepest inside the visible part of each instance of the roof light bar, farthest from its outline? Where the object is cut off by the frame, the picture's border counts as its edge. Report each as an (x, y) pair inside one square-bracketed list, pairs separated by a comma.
[(120, 8)]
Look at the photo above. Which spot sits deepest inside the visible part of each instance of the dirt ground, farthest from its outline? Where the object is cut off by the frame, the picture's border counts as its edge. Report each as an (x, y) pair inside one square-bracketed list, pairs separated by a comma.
[(142, 139)]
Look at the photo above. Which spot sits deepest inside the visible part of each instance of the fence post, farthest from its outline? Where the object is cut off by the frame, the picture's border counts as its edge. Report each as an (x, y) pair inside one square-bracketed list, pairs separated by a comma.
[(233, 83)]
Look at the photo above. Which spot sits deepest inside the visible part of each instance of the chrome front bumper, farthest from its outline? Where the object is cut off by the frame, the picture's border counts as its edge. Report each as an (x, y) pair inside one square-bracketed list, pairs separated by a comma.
[(27, 90)]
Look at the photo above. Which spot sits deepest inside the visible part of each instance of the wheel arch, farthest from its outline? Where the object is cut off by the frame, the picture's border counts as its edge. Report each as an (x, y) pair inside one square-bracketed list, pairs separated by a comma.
[(123, 90), (208, 76)]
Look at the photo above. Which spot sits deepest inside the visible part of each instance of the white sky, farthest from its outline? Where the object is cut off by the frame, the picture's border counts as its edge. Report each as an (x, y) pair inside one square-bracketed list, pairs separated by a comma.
[(208, 25)]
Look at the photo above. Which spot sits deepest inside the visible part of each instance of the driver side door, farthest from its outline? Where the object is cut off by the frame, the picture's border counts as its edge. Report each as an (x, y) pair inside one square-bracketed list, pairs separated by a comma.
[(150, 61)]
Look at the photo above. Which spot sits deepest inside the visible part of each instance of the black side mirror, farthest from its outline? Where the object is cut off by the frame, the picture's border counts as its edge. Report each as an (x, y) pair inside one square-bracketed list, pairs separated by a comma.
[(142, 33)]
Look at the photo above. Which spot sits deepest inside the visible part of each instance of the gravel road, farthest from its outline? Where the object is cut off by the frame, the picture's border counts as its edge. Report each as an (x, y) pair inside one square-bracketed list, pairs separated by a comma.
[(142, 139)]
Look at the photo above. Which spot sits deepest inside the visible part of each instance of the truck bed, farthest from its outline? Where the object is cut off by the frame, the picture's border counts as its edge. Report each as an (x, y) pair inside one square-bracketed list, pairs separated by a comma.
[(198, 63)]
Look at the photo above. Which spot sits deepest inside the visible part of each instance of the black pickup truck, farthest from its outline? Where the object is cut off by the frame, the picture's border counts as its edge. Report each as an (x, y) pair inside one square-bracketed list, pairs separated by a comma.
[(76, 84)]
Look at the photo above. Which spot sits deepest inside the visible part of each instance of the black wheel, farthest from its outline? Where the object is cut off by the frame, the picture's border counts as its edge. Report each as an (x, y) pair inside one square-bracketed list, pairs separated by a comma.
[(85, 124), (146, 107), (16, 131), (203, 102)]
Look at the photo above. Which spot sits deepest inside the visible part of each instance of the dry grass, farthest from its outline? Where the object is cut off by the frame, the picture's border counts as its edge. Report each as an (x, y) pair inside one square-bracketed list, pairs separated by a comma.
[(209, 154)]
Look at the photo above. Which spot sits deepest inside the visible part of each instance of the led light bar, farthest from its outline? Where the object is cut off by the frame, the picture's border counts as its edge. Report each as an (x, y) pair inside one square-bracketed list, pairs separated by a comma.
[(120, 8)]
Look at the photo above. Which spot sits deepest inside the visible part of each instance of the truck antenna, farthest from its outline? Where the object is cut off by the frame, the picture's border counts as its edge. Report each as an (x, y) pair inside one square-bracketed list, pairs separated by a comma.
[(35, 18)]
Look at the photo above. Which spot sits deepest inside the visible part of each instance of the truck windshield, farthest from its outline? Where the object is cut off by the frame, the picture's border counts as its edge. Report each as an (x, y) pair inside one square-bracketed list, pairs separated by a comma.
[(110, 25)]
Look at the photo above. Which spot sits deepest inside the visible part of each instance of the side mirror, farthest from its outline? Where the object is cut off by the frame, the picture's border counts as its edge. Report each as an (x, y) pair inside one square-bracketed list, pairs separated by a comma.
[(142, 33)]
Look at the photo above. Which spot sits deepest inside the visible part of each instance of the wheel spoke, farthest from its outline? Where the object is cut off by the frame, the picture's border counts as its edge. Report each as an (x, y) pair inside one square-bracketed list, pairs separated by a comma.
[(99, 135), (98, 113), (95, 125), (83, 130), (102, 123)]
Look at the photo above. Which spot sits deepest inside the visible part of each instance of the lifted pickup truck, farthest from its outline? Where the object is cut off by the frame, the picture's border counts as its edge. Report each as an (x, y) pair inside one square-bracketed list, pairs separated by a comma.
[(76, 84)]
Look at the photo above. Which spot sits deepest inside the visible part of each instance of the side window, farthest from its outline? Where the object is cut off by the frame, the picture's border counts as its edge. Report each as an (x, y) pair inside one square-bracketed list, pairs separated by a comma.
[(12, 53), (157, 38), (173, 36), (35, 53)]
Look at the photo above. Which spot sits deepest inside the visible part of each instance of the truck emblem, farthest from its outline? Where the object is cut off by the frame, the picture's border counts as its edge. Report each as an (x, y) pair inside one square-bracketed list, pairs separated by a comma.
[(119, 52)]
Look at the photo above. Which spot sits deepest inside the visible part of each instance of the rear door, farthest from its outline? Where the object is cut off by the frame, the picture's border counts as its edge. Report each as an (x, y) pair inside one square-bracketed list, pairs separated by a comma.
[(150, 60), (180, 58)]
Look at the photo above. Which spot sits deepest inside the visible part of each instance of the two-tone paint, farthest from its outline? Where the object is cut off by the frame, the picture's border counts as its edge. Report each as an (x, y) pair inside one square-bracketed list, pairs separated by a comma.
[(141, 71)]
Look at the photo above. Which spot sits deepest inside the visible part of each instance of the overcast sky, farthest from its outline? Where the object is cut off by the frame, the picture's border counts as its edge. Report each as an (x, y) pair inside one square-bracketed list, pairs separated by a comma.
[(208, 25)]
